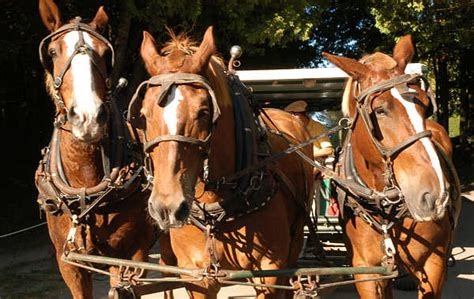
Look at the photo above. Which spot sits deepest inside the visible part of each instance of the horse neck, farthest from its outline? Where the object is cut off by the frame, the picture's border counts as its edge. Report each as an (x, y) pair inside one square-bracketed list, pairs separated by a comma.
[(81, 162), (367, 160), (222, 153)]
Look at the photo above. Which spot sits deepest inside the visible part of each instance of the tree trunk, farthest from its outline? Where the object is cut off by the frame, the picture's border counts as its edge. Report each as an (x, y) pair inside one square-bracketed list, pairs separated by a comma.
[(442, 93), (463, 94), (468, 62), (121, 46), (121, 43)]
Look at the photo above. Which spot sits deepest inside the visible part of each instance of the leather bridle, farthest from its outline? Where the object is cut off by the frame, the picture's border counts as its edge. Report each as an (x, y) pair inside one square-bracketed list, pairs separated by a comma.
[(364, 100), (80, 48), (166, 81)]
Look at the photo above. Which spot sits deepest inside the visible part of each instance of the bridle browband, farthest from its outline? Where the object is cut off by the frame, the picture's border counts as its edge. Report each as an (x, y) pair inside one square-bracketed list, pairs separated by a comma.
[(80, 48), (166, 81)]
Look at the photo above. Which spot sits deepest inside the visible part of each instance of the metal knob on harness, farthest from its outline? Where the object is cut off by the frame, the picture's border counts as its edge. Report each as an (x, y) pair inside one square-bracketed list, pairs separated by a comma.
[(235, 52)]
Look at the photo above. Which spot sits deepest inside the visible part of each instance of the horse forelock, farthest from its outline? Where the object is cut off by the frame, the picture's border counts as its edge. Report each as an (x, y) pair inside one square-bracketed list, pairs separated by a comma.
[(179, 42), (379, 62), (215, 72)]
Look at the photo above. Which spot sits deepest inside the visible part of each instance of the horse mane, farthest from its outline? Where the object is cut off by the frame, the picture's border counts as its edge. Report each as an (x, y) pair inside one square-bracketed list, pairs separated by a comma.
[(49, 85), (215, 72)]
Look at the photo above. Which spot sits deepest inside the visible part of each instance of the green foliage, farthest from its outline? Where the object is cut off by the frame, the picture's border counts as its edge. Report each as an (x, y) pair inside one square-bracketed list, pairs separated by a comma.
[(345, 28), (255, 24), (444, 35), (439, 27)]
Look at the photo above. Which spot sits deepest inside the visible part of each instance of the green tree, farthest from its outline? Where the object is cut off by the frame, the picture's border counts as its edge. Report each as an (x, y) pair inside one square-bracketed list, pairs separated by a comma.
[(444, 36), (346, 28)]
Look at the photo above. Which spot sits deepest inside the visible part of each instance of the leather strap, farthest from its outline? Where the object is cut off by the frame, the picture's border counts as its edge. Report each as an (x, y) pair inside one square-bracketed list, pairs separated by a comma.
[(178, 138), (75, 26), (386, 85), (166, 81)]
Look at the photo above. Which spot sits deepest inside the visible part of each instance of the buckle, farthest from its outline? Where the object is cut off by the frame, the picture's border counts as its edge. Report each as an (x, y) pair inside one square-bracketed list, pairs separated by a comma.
[(57, 82)]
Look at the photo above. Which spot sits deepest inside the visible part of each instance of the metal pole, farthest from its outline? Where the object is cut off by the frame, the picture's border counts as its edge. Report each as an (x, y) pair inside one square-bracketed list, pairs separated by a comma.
[(231, 275), (74, 256)]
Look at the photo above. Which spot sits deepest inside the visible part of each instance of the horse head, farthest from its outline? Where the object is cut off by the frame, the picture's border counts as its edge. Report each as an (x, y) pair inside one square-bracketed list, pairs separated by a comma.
[(179, 112), (77, 61), (391, 144)]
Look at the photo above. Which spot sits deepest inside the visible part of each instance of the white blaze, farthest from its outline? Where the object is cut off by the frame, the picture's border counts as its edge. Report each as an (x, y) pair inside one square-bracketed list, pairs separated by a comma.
[(86, 100), (417, 122), (170, 114)]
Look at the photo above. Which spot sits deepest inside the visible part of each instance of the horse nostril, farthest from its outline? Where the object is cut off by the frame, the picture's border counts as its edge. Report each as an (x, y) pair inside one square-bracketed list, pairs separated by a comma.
[(102, 114), (182, 211), (72, 114), (428, 201), (151, 208)]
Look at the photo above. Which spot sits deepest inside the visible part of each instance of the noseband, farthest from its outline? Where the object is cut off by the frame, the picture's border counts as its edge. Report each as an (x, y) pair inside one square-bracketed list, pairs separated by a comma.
[(80, 48), (393, 191), (166, 81)]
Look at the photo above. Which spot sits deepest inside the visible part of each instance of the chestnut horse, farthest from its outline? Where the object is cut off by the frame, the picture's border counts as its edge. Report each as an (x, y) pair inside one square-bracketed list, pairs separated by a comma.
[(88, 182), (187, 114), (404, 158)]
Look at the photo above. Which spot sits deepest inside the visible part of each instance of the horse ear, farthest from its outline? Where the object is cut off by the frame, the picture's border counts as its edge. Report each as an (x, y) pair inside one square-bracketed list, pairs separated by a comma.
[(100, 20), (404, 52), (50, 15), (204, 53), (352, 67), (149, 54)]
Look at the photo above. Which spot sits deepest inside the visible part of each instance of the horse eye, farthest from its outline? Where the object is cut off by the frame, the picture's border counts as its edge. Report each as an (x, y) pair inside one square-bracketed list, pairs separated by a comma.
[(380, 111), (52, 53), (203, 114)]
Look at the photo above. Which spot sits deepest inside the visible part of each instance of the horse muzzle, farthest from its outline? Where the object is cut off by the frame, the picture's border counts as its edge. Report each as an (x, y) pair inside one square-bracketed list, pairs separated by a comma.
[(429, 207), (171, 216), (87, 127)]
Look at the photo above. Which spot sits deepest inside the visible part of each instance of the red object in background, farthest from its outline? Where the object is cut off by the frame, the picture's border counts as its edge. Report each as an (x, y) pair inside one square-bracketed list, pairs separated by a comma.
[(333, 208)]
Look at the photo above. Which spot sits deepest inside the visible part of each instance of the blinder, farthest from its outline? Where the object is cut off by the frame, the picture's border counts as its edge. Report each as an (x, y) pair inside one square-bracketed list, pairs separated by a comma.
[(166, 81)]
